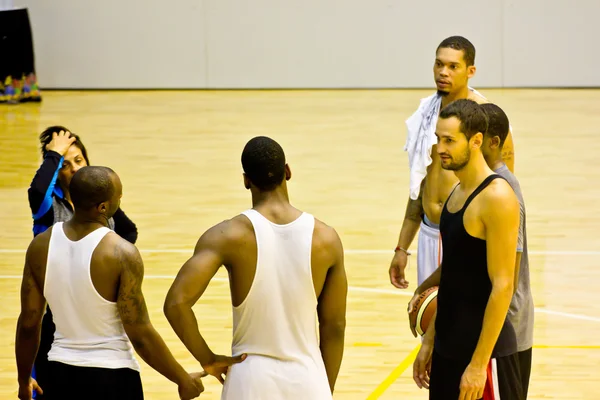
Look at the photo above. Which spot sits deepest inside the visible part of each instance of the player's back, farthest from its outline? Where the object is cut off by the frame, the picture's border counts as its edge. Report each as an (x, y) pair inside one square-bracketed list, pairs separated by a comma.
[(276, 323), (89, 332)]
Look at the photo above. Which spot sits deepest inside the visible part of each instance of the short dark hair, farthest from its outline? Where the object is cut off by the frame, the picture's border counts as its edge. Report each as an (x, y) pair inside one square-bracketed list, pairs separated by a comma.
[(498, 124), (46, 137), (263, 161), (470, 114), (460, 43), (91, 186)]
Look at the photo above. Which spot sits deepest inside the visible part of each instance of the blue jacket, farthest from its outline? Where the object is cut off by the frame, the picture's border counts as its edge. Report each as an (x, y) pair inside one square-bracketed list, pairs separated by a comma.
[(48, 204)]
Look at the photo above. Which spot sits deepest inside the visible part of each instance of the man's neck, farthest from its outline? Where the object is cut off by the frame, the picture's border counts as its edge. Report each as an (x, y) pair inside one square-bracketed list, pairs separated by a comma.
[(80, 226), (459, 94), (277, 197), (86, 222), (497, 163), (275, 206), (473, 173)]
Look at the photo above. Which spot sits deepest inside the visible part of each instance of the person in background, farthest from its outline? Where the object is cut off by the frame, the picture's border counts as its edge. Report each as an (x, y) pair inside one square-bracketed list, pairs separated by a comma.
[(18, 82)]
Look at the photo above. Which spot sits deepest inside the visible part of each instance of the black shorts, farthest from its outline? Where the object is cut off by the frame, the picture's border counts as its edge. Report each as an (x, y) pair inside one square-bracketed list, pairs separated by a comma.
[(67, 382), (503, 378), (525, 369)]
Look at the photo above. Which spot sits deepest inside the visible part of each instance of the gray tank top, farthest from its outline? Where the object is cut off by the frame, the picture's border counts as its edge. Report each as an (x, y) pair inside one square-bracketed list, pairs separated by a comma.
[(521, 309)]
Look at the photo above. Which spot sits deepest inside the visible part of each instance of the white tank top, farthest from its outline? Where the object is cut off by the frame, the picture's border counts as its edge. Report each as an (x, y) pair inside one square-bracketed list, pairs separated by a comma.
[(89, 331), (278, 317)]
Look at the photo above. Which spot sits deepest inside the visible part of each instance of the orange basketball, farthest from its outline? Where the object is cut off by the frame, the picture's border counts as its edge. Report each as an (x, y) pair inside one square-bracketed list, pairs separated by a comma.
[(423, 310)]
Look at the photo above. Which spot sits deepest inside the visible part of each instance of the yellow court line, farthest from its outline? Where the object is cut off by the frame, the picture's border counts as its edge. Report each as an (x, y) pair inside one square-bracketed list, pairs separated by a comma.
[(583, 346), (395, 374)]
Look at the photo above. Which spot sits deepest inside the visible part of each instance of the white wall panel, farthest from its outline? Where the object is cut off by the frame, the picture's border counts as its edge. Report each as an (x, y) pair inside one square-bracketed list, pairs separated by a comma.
[(119, 43), (551, 43), (308, 44), (343, 43)]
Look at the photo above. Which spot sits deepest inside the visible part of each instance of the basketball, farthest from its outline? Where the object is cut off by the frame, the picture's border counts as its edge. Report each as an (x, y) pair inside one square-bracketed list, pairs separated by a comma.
[(423, 310)]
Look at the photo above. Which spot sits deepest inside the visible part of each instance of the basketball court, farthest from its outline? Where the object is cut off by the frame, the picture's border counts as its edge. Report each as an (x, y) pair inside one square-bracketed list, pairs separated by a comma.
[(178, 156)]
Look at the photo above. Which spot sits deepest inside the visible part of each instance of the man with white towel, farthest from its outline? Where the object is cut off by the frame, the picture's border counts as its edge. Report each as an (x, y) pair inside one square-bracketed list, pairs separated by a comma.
[(430, 185)]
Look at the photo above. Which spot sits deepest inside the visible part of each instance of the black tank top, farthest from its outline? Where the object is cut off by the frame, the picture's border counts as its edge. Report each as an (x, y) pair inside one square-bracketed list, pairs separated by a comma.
[(465, 288)]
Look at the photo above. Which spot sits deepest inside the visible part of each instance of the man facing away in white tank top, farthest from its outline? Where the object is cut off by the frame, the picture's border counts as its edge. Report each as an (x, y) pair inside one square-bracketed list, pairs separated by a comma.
[(92, 279), (286, 271)]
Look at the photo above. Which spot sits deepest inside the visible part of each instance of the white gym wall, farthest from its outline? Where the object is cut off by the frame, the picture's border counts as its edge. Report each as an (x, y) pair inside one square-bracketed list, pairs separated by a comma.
[(309, 43)]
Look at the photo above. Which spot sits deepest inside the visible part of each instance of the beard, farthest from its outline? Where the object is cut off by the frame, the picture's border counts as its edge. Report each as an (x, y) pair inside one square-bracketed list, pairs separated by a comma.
[(442, 93), (458, 163)]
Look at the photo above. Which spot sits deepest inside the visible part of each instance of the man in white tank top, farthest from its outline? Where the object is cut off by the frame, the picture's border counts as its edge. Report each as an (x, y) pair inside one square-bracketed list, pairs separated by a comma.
[(286, 270), (91, 279), (430, 184)]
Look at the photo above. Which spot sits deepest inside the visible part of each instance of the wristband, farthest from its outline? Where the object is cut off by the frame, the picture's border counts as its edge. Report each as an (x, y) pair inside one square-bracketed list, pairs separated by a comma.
[(403, 250)]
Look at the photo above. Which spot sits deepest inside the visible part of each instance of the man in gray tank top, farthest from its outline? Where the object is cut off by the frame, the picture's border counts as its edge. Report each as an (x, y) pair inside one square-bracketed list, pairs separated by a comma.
[(521, 311)]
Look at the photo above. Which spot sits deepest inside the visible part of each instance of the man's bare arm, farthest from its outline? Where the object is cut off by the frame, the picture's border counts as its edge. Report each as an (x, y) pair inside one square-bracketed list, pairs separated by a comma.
[(412, 219), (33, 306), (429, 336), (190, 283), (501, 220), (331, 310), (410, 227), (136, 321), (431, 281), (422, 364), (520, 244)]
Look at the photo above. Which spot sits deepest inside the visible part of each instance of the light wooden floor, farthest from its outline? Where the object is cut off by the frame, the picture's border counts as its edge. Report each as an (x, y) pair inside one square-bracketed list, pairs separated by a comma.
[(178, 155)]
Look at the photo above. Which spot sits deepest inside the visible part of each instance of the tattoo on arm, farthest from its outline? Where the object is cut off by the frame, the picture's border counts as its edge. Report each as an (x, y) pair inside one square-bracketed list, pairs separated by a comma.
[(508, 154), (134, 315), (414, 208), (131, 302)]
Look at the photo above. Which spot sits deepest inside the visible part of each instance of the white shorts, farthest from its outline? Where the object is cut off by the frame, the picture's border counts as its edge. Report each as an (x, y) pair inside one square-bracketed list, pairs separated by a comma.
[(429, 252), (265, 378)]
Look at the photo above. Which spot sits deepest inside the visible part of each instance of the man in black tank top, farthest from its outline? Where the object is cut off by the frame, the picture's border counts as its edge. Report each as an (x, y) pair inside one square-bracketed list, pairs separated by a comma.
[(469, 350)]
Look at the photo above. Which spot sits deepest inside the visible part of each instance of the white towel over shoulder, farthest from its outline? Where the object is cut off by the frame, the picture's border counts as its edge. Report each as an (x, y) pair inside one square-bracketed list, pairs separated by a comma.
[(421, 138)]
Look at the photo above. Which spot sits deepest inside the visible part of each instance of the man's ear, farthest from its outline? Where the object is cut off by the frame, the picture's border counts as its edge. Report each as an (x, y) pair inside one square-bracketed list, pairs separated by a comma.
[(288, 172)]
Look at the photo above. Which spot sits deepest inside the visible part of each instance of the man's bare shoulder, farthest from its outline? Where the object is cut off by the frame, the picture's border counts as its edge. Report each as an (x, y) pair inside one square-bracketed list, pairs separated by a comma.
[(325, 236), (40, 243), (499, 188), (37, 252), (114, 250), (236, 228), (230, 232), (498, 197), (477, 98)]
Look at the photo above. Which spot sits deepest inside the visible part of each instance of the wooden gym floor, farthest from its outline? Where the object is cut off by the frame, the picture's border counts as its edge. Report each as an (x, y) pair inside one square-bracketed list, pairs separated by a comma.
[(178, 155)]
